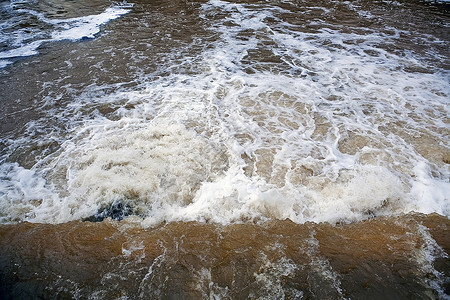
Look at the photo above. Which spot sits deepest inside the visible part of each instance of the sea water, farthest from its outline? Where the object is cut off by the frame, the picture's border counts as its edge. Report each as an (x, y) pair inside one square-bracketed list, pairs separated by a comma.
[(228, 113)]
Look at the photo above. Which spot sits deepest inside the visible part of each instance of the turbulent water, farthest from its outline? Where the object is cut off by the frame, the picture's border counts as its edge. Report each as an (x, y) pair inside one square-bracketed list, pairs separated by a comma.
[(300, 148)]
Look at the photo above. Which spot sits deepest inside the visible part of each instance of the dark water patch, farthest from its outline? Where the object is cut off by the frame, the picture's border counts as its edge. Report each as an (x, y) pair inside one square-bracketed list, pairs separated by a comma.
[(116, 211)]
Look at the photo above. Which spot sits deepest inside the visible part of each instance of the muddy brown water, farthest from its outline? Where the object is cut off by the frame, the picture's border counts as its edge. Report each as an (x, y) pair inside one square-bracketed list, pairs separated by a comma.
[(382, 258), (246, 149)]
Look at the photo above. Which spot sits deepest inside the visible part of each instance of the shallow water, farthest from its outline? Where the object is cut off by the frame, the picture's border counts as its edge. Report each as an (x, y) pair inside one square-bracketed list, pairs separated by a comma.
[(225, 114), (384, 258)]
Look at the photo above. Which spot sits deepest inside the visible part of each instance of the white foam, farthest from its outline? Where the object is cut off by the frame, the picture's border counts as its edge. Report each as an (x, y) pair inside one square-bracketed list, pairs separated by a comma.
[(149, 169), (4, 63), (88, 26), (21, 192), (431, 194), (269, 277), (426, 255), (27, 50), (331, 134), (62, 29)]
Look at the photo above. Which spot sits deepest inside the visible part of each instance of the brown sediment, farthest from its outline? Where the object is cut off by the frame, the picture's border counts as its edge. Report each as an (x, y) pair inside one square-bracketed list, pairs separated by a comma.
[(446, 157), (379, 258)]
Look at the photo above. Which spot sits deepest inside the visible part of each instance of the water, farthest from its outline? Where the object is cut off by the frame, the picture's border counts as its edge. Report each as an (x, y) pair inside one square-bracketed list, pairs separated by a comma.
[(384, 258), (226, 113)]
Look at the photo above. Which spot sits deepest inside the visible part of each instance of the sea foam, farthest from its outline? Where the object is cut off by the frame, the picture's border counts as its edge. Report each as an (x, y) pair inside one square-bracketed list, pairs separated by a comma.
[(26, 42), (279, 122)]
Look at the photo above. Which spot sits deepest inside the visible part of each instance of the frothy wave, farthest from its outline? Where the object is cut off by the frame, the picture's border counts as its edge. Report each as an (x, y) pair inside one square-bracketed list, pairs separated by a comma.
[(272, 120), (25, 39)]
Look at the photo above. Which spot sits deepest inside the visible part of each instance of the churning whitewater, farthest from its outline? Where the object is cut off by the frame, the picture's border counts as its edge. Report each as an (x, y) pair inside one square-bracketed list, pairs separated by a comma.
[(214, 149), (272, 115)]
